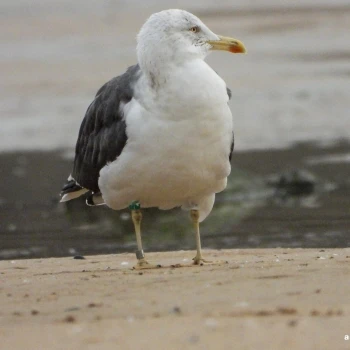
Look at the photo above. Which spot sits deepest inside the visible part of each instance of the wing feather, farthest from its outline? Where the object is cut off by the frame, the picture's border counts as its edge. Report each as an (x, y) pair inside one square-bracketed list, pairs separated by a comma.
[(102, 135)]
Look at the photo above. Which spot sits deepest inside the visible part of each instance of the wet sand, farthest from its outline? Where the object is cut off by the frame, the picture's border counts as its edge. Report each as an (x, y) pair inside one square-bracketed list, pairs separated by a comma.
[(261, 299), (248, 214)]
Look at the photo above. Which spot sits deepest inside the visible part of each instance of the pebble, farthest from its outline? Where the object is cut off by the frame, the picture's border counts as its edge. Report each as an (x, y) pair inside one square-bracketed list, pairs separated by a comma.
[(211, 322), (176, 310)]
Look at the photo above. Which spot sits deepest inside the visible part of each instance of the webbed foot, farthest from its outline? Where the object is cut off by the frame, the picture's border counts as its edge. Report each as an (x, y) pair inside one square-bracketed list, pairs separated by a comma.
[(143, 264)]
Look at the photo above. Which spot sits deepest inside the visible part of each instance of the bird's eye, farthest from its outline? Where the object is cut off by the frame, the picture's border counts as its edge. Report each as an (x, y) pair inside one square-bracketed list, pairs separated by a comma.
[(194, 29)]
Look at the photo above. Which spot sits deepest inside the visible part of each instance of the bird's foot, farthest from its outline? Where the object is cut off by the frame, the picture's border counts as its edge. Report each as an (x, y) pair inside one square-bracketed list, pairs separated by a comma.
[(143, 264), (198, 260)]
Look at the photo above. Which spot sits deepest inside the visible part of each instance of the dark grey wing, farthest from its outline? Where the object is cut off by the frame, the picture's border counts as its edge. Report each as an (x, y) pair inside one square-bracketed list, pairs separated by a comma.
[(233, 136), (229, 94), (232, 146), (102, 134)]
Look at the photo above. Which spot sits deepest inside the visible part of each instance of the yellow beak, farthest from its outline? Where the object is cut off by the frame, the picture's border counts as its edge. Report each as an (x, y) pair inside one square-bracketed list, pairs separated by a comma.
[(227, 44)]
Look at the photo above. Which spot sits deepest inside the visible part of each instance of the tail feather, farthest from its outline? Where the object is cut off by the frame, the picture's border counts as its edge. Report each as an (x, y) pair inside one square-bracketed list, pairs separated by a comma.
[(71, 186), (72, 190)]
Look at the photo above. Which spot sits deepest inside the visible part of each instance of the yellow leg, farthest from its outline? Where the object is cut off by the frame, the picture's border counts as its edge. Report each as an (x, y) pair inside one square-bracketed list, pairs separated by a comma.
[(142, 263), (198, 259)]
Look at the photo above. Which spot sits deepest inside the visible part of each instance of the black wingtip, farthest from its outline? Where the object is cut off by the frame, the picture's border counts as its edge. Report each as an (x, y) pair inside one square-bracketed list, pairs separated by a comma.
[(90, 200), (95, 199), (70, 186)]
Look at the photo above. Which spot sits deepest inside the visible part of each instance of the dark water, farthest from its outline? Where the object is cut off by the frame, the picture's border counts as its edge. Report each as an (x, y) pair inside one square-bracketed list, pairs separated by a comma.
[(250, 213)]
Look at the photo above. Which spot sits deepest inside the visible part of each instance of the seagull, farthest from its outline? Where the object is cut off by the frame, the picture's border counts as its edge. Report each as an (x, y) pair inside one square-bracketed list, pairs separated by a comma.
[(161, 134)]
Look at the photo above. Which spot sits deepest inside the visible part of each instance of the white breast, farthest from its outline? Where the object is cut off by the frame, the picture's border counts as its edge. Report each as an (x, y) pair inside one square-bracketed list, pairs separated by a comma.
[(178, 144)]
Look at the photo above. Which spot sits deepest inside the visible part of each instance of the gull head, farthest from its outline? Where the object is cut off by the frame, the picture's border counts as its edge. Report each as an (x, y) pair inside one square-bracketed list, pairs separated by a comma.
[(176, 36)]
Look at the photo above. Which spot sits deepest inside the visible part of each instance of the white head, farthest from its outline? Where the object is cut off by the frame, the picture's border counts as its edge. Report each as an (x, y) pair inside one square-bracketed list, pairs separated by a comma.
[(176, 36)]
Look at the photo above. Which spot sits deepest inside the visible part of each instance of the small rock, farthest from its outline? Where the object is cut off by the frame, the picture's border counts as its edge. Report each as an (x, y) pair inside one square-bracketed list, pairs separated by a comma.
[(174, 266), (264, 313), (79, 257), (74, 308), (193, 339), (130, 319), (211, 322), (295, 182), (286, 311), (176, 310), (91, 305), (292, 323), (70, 319)]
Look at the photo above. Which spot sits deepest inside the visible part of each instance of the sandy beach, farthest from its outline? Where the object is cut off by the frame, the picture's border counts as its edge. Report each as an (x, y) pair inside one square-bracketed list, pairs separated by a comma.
[(260, 299)]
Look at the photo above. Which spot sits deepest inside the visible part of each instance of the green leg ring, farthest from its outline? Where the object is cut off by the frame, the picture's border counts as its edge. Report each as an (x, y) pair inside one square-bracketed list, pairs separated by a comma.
[(135, 205)]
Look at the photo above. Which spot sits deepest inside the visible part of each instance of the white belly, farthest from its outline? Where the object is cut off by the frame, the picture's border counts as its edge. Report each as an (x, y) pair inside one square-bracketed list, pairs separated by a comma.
[(173, 158)]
